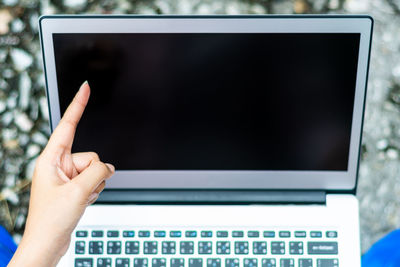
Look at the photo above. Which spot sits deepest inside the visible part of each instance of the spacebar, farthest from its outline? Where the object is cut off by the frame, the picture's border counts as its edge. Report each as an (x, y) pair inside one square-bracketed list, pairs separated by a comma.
[(319, 248)]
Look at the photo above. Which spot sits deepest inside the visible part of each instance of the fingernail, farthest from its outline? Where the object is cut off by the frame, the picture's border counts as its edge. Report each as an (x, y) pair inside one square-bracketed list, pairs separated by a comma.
[(110, 167), (85, 82), (92, 197)]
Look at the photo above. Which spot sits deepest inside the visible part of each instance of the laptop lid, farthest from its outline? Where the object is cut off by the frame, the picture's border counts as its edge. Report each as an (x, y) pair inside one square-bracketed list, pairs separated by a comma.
[(215, 102)]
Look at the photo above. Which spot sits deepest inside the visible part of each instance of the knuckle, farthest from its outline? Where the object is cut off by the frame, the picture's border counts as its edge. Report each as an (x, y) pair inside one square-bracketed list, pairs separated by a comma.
[(103, 169), (94, 156)]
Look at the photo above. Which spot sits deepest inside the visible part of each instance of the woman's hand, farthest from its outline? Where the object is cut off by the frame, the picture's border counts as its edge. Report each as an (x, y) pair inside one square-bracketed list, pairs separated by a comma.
[(63, 185)]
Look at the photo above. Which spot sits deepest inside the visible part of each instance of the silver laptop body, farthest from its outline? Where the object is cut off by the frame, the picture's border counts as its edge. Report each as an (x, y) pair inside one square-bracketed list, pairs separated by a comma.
[(236, 139)]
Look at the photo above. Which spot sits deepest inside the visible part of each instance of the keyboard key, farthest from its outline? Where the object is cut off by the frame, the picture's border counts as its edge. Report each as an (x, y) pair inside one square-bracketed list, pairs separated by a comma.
[(128, 233), (81, 234), (96, 247), (213, 262), (205, 247), (114, 247), (300, 234), (259, 248), (159, 262), (103, 262), (277, 248), (177, 262), (140, 262), (237, 234), (296, 248), (327, 263), (150, 247), (195, 262), (97, 233), (241, 247), (269, 234), (268, 263), (187, 247), (305, 262), (223, 247), (231, 262), (80, 247), (322, 248), (144, 233), (190, 233), (160, 234), (206, 233), (112, 233), (284, 234), (132, 247), (175, 234), (122, 262), (316, 234), (250, 263), (222, 234), (331, 234), (287, 262), (253, 234), (83, 262), (168, 247)]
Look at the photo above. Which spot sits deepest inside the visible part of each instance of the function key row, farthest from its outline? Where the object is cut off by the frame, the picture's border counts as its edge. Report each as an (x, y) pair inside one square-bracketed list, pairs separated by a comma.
[(208, 234)]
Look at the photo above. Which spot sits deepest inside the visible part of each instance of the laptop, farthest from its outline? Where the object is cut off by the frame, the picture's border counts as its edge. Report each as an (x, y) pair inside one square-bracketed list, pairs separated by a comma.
[(236, 139)]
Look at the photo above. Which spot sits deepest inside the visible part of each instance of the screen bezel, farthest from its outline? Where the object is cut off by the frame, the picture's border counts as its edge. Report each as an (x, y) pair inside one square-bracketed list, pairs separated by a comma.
[(126, 179)]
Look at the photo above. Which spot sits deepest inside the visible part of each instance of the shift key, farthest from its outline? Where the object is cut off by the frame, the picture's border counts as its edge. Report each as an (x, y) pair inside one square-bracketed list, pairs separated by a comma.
[(323, 248)]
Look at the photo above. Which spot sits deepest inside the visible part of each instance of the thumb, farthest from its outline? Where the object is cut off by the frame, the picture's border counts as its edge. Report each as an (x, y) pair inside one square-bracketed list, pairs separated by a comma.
[(90, 178)]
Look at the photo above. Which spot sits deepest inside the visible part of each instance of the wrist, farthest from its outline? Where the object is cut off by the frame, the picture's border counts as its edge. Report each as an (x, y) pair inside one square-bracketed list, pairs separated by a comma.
[(35, 252)]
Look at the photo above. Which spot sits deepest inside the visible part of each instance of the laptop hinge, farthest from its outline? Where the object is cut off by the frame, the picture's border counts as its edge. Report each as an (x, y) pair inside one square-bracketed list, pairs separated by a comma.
[(114, 196)]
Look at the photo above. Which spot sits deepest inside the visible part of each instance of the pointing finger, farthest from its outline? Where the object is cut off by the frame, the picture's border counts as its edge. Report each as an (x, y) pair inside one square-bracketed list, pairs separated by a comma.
[(63, 136)]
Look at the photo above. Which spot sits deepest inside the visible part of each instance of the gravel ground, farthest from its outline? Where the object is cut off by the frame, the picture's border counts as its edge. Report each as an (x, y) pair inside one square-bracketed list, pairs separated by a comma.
[(23, 108)]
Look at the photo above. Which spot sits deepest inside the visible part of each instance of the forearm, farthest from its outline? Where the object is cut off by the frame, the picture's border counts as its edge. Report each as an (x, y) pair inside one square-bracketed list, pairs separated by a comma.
[(34, 253)]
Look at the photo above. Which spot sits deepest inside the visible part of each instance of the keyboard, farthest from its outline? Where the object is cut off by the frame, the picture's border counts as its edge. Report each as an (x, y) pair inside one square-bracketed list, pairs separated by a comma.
[(124, 247)]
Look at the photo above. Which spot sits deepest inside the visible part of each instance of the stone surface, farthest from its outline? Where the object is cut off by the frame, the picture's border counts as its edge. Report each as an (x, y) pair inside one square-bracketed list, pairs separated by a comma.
[(24, 116)]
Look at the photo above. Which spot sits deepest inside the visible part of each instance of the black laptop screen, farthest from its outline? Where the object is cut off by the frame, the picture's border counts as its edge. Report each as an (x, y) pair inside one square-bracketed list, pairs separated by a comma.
[(207, 101)]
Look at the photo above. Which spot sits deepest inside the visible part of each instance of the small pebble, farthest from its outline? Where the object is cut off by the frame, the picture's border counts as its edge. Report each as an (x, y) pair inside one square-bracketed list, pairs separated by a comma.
[(11, 144), (75, 3), (392, 154), (21, 59), (24, 90), (23, 139), (2, 106), (39, 138), (10, 180), (33, 151), (44, 110), (30, 168), (6, 118), (23, 122), (382, 144), (17, 25), (10, 195)]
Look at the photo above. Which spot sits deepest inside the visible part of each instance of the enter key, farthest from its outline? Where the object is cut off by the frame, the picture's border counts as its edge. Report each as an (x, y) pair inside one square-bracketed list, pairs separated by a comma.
[(322, 248)]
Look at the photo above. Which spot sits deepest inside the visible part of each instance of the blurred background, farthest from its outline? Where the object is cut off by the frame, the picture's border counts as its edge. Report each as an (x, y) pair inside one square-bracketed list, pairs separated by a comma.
[(24, 127)]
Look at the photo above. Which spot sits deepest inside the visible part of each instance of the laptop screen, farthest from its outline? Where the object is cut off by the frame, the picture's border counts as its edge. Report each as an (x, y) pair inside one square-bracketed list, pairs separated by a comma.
[(213, 101)]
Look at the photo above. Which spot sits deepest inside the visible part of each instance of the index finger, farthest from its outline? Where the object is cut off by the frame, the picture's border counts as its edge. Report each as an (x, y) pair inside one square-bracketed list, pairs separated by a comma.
[(63, 136)]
